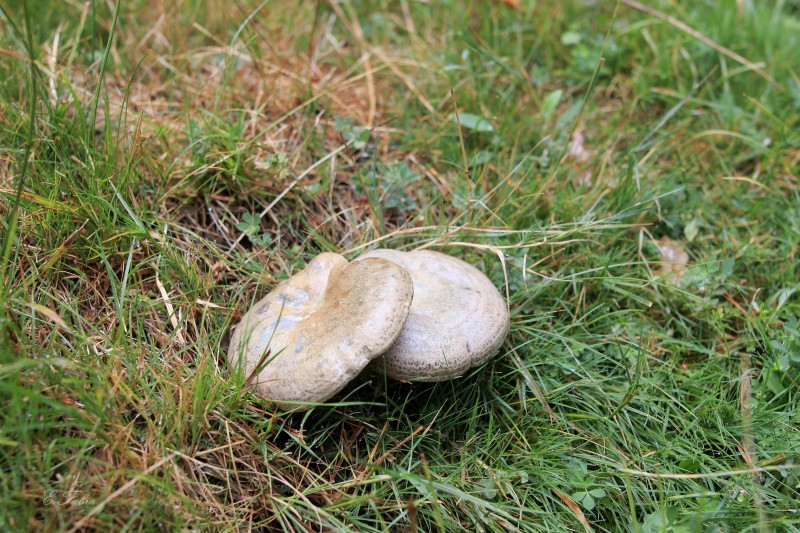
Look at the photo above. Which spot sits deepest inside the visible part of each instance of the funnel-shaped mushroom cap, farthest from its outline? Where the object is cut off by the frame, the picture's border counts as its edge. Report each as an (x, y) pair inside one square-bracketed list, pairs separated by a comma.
[(321, 327), (458, 319)]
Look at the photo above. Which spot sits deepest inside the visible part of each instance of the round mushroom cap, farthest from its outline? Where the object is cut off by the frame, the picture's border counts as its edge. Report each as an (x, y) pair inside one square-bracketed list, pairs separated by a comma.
[(318, 329), (458, 319)]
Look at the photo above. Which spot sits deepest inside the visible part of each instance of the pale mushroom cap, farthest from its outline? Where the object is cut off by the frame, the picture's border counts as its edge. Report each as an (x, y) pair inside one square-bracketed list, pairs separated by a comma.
[(322, 327), (458, 319)]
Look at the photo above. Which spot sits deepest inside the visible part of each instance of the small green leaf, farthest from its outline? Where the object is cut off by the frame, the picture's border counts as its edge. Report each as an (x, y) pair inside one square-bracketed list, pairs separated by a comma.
[(569, 115), (343, 124), (351, 133), (579, 496), (578, 469), (778, 346), (654, 523), (314, 188), (263, 240), (249, 224), (361, 138), (597, 493), (781, 296), (551, 101), (488, 488), (480, 158), (569, 38), (672, 514), (691, 229), (588, 502), (690, 464), (726, 269), (475, 122)]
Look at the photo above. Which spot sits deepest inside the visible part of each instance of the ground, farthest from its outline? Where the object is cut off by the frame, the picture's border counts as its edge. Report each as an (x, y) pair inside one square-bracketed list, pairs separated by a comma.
[(626, 174)]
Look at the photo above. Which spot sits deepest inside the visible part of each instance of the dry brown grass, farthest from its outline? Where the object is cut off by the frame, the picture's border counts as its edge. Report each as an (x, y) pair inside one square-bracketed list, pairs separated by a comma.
[(222, 470)]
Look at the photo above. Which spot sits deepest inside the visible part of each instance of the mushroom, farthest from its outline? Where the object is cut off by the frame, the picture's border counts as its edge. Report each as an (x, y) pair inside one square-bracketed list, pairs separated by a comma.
[(458, 319), (317, 330)]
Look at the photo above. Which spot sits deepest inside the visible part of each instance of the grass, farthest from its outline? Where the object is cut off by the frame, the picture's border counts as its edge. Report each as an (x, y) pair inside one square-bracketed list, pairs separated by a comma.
[(162, 164)]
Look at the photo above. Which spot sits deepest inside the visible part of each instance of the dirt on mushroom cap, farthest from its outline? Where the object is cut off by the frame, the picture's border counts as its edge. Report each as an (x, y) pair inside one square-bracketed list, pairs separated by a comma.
[(458, 319), (317, 330)]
